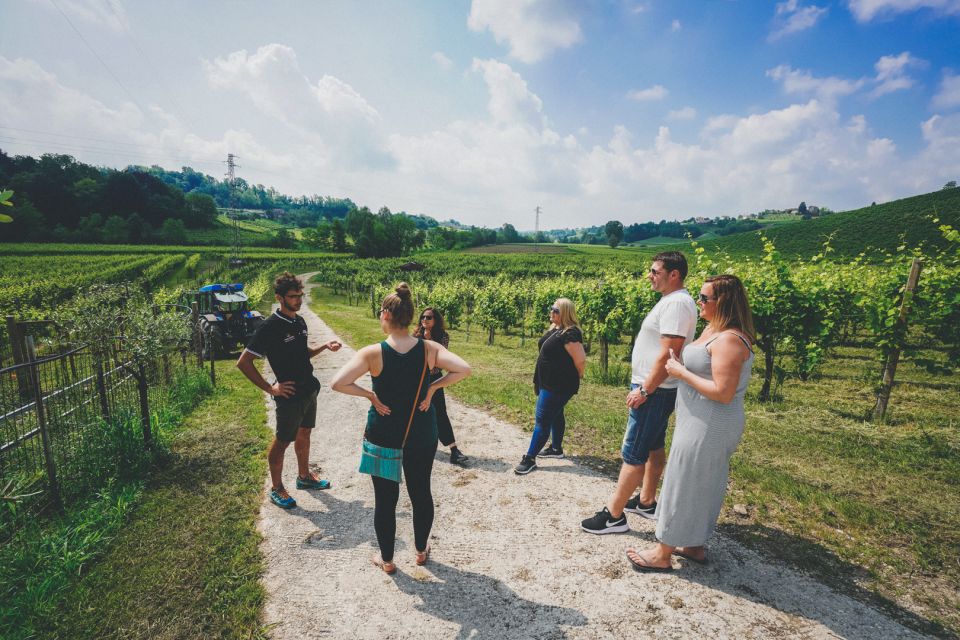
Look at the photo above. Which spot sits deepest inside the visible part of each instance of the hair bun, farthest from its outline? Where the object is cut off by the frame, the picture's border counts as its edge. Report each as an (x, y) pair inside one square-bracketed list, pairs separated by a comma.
[(403, 290)]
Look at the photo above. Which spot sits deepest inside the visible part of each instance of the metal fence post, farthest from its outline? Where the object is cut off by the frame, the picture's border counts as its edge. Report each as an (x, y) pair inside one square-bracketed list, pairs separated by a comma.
[(144, 405), (44, 434)]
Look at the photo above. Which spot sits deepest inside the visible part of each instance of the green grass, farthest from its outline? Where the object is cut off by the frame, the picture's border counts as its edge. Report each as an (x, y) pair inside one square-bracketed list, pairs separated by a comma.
[(185, 564), (873, 510)]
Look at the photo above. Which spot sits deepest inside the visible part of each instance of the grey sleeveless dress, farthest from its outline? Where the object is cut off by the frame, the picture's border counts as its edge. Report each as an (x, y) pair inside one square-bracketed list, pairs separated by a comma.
[(707, 433)]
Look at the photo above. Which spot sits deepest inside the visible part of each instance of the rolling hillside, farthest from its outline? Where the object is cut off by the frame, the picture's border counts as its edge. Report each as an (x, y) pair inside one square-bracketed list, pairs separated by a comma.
[(879, 227)]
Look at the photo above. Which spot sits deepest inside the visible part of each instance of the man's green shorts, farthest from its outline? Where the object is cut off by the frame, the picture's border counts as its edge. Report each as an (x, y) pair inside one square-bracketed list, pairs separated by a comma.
[(293, 413)]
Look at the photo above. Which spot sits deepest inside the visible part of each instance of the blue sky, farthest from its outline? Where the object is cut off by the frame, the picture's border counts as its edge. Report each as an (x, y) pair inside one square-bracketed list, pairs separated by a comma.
[(482, 110)]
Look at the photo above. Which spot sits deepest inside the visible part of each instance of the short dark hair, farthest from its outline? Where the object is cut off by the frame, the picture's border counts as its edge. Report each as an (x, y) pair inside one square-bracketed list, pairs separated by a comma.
[(287, 282), (673, 261)]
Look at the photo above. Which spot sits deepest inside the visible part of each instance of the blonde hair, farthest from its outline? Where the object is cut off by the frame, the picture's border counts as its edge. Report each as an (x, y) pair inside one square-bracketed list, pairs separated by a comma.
[(733, 308), (568, 314)]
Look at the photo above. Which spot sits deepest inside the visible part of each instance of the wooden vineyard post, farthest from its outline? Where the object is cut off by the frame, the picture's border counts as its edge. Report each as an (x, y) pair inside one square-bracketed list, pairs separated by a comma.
[(886, 385), (144, 404), (197, 336), (44, 432)]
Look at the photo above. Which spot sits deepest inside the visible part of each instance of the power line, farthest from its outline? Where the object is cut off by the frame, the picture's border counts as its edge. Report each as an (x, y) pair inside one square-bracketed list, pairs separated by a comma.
[(156, 72), (99, 59)]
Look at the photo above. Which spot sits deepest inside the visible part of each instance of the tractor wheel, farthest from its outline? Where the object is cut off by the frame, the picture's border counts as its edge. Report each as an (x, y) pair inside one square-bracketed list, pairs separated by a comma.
[(212, 342)]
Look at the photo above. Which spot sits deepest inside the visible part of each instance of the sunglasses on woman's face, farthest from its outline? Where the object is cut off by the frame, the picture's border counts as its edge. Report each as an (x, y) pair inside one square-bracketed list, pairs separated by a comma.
[(554, 310), (704, 299), (426, 317)]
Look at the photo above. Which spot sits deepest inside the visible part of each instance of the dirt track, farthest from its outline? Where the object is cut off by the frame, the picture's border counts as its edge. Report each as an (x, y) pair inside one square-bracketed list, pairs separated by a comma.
[(509, 559)]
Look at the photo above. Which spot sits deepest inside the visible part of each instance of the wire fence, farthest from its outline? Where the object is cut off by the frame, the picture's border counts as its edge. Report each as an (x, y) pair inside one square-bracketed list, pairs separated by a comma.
[(72, 419)]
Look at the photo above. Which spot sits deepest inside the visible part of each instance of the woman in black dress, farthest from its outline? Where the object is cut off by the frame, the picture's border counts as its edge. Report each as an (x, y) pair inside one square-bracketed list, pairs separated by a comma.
[(560, 366), (432, 327)]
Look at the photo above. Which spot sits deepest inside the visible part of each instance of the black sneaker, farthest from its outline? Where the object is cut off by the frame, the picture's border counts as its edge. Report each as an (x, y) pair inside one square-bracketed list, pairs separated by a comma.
[(550, 452), (603, 522), (527, 464), (648, 511), (456, 457)]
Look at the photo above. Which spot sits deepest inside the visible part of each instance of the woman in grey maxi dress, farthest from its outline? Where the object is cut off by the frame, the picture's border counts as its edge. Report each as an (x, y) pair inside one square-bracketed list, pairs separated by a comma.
[(714, 375)]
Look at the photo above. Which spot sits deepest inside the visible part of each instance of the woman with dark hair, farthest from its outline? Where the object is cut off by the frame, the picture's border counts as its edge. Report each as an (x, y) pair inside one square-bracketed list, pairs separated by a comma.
[(432, 327), (556, 379), (714, 373), (396, 367)]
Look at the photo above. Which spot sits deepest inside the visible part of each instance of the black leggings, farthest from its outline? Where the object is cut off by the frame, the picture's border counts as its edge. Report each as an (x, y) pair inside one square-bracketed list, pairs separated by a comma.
[(417, 466), (444, 428)]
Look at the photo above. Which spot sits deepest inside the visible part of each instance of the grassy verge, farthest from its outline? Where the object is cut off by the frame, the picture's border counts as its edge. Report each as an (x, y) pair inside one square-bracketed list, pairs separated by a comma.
[(873, 510), (185, 562)]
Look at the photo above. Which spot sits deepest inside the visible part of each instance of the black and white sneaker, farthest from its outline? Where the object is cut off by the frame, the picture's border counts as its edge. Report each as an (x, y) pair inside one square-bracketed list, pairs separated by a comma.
[(603, 522), (550, 452), (648, 511), (527, 464)]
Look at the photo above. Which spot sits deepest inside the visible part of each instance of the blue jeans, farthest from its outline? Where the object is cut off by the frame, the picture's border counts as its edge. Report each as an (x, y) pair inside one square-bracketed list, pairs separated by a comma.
[(549, 421), (647, 426)]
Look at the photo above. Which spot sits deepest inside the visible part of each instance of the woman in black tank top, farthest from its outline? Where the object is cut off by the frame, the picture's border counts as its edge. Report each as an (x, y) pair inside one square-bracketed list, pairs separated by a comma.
[(395, 366)]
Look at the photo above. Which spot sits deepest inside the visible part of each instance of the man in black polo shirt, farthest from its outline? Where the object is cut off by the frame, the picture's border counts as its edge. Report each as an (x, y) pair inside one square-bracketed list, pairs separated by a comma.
[(282, 339)]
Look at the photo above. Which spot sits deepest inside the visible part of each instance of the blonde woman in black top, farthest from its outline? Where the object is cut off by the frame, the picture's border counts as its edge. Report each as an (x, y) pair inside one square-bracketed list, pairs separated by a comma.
[(395, 366), (432, 327), (560, 366)]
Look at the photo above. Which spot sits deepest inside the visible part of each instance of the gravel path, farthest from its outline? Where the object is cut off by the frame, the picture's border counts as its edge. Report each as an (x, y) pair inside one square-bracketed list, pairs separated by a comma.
[(509, 559)]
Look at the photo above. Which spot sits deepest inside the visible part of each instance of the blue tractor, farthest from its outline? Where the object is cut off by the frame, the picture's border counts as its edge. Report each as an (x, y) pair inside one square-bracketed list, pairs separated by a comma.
[(225, 318)]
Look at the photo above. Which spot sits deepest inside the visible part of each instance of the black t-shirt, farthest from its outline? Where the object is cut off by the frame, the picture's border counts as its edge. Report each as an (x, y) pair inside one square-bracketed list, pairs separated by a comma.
[(284, 344), (555, 369)]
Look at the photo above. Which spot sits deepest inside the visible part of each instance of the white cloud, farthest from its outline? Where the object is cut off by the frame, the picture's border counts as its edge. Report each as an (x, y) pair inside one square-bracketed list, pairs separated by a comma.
[(797, 82), (330, 114), (790, 18), (104, 13), (511, 101), (675, 26), (33, 99), (686, 113), (442, 60), (892, 73), (532, 28), (948, 96), (656, 92), (867, 10)]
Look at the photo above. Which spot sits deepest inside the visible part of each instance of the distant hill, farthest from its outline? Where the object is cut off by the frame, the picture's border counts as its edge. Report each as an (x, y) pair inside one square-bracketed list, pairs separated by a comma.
[(878, 227)]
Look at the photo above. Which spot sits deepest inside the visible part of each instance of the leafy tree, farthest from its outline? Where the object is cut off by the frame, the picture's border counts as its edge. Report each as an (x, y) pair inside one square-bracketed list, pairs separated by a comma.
[(614, 232), (202, 210), (115, 230), (172, 232), (89, 228), (950, 185), (283, 239), (803, 211), (338, 236), (508, 234)]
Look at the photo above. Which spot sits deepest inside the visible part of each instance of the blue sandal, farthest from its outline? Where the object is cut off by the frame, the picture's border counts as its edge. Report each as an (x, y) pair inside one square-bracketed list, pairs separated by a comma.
[(310, 483), (280, 501)]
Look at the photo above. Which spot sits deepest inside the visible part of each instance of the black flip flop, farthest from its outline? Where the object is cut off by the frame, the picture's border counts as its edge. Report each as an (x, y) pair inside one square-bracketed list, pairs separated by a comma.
[(646, 568)]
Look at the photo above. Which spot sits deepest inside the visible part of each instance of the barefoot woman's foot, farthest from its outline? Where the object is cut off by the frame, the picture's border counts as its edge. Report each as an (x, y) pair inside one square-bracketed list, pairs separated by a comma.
[(648, 560), (696, 554)]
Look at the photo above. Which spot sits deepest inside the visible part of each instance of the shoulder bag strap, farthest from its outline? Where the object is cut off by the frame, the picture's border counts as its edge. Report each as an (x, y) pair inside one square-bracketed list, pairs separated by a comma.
[(416, 398)]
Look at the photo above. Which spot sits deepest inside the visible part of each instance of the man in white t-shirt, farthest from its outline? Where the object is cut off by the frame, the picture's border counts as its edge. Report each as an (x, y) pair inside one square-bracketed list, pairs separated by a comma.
[(671, 324)]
